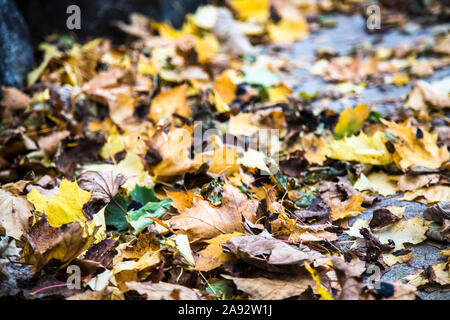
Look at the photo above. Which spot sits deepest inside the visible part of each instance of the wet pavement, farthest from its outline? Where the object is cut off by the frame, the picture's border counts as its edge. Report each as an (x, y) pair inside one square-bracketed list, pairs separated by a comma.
[(348, 33)]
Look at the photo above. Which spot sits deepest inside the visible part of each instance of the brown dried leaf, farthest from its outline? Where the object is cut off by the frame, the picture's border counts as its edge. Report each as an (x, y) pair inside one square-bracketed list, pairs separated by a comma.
[(203, 221)]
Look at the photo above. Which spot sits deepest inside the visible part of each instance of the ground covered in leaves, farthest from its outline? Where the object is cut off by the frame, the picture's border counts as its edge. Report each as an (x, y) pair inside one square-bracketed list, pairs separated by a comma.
[(237, 157)]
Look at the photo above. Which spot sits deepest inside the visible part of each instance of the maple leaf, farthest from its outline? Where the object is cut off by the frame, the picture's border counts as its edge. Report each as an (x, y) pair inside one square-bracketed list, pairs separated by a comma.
[(45, 243), (361, 148), (351, 120), (349, 208), (202, 221), (257, 10), (416, 146), (65, 207), (287, 31), (167, 103), (213, 256)]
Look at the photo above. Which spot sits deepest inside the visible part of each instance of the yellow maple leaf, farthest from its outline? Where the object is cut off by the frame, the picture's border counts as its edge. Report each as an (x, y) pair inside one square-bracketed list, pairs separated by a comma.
[(361, 148), (206, 47), (349, 208), (65, 207), (351, 120), (213, 256), (257, 10), (165, 104), (416, 146), (287, 31), (225, 87), (279, 92), (166, 31)]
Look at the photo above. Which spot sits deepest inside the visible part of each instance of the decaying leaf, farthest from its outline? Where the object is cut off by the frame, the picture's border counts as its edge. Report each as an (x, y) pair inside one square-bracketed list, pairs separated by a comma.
[(14, 214), (45, 243), (404, 231), (267, 252), (273, 289), (163, 291), (203, 221), (104, 185)]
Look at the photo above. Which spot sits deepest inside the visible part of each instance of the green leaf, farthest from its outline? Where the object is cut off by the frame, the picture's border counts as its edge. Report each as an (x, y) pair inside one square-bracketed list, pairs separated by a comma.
[(115, 216), (374, 117), (139, 219), (221, 288), (143, 195)]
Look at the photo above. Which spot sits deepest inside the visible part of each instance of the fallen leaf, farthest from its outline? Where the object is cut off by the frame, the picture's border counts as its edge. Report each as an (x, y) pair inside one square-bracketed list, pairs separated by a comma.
[(14, 214), (273, 289), (416, 146), (361, 148), (66, 207), (351, 120), (213, 256), (257, 10), (14, 99), (167, 103), (45, 243), (431, 195), (349, 208), (163, 291), (269, 253), (202, 221), (288, 31), (410, 182), (382, 183), (103, 185)]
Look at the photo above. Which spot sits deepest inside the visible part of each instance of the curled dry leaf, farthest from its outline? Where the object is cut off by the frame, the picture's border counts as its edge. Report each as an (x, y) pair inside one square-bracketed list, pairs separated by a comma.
[(277, 288), (404, 231), (269, 253), (382, 217), (15, 212), (45, 243), (410, 182)]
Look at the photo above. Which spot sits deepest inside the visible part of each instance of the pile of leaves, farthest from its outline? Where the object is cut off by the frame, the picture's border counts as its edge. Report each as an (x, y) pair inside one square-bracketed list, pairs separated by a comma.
[(105, 169)]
